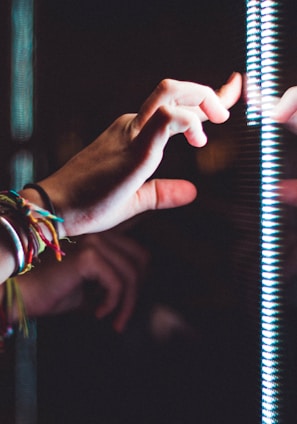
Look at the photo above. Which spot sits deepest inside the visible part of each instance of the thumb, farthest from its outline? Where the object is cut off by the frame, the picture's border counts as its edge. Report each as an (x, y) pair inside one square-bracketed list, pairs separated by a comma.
[(286, 106), (161, 194)]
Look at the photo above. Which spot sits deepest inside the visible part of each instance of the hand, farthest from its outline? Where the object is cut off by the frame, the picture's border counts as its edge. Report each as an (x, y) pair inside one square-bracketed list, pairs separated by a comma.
[(100, 273), (107, 182), (285, 110)]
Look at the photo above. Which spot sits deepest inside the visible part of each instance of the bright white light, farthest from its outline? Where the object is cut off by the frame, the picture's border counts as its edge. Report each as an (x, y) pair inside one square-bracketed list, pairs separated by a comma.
[(270, 209), (269, 320), (268, 246), (267, 363), (262, 67), (269, 239)]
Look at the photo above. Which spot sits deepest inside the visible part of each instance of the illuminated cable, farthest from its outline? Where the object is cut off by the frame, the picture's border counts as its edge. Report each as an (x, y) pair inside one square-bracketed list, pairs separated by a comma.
[(263, 58)]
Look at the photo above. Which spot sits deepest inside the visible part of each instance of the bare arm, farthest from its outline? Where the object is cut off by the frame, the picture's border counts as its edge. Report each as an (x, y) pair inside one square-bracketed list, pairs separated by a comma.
[(108, 181)]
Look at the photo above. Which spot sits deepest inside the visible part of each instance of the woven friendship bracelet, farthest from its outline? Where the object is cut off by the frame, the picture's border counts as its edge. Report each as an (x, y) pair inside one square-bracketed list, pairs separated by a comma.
[(46, 200), (27, 219), (24, 223)]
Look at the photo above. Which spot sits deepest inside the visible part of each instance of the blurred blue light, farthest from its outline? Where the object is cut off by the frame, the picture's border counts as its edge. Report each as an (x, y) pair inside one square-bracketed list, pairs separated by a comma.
[(22, 69)]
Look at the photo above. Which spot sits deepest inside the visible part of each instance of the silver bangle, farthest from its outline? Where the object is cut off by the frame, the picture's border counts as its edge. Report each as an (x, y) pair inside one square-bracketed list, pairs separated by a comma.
[(19, 249)]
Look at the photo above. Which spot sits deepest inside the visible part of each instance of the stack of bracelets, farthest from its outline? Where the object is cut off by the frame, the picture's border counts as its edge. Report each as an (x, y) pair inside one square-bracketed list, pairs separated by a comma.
[(23, 223)]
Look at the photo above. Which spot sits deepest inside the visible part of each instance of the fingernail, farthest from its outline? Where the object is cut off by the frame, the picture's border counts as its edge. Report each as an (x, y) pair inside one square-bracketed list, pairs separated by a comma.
[(202, 140)]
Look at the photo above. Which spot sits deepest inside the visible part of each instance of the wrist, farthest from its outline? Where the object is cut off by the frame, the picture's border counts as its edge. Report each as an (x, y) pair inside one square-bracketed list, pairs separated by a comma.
[(50, 203), (29, 227)]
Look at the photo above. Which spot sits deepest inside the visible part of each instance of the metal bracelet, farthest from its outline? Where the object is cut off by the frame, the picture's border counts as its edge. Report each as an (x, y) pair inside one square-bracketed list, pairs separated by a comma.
[(17, 243)]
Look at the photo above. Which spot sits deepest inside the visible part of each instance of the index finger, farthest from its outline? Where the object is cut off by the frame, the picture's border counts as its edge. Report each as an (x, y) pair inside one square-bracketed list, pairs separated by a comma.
[(229, 93), (183, 93)]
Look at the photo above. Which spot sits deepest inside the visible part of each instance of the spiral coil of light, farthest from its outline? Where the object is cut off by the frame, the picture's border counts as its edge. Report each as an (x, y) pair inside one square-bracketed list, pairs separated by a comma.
[(262, 64)]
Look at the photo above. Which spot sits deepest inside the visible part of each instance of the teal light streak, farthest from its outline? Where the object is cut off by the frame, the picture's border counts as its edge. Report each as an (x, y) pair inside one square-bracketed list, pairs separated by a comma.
[(22, 166), (22, 69)]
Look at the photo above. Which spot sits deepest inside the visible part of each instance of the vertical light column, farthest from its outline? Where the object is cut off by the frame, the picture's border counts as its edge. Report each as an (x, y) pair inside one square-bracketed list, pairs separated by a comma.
[(263, 64), (22, 171), (22, 69), (271, 302)]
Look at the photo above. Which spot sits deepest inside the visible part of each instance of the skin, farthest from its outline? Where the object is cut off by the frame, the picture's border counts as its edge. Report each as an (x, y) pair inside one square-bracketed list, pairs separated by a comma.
[(285, 112), (109, 181), (68, 291), (101, 274)]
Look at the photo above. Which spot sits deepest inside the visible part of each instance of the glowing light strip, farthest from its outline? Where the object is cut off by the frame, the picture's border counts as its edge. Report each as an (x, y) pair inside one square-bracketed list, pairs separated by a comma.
[(22, 69), (22, 166), (262, 87)]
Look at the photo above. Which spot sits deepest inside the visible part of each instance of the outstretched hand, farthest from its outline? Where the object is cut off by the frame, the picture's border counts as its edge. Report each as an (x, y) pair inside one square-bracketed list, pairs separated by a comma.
[(108, 181)]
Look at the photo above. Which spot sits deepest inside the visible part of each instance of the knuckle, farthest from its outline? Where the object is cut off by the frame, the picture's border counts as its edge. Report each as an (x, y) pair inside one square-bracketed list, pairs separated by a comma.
[(208, 92), (165, 85)]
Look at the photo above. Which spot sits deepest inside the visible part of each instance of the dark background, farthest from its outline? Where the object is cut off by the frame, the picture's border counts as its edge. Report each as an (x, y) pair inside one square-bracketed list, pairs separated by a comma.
[(95, 60), (99, 60)]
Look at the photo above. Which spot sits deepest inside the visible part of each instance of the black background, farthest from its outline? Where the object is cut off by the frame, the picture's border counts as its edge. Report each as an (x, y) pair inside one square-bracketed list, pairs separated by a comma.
[(95, 60)]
